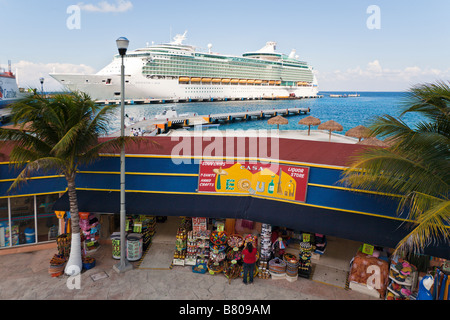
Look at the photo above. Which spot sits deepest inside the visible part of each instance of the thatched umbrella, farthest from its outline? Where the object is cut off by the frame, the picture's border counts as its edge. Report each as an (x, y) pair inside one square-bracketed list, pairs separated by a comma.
[(309, 121), (372, 141), (331, 125), (278, 120), (358, 132)]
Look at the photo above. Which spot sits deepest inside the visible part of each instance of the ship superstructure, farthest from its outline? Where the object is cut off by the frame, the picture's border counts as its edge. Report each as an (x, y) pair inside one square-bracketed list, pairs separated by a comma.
[(9, 91), (178, 71)]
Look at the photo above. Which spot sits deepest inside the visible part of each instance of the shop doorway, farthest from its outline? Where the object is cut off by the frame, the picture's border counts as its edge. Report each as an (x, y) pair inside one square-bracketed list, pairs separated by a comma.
[(159, 255)]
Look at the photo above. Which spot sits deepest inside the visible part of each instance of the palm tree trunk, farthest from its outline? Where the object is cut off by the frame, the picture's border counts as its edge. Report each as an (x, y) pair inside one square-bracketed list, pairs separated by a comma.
[(74, 265)]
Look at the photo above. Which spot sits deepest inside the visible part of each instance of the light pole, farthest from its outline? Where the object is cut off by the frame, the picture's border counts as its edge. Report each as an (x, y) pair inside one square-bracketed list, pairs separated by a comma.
[(123, 265), (41, 80)]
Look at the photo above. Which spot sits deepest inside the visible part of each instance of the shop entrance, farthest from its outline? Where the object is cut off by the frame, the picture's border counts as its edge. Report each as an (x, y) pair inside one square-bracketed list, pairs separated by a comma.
[(160, 253)]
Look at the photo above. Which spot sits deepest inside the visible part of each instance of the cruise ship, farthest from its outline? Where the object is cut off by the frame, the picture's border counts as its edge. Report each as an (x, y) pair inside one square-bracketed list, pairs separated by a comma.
[(9, 91), (179, 72)]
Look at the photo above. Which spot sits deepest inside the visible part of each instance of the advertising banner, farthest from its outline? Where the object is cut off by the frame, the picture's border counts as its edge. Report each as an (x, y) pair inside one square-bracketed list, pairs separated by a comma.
[(288, 183)]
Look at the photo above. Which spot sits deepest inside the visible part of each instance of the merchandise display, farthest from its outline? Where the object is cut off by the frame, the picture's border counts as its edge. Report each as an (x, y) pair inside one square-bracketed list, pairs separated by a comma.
[(403, 280), (90, 228), (284, 254), (304, 266), (361, 271)]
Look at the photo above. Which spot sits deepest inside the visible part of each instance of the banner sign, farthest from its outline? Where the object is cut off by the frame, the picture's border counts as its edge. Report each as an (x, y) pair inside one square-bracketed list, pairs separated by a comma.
[(288, 183)]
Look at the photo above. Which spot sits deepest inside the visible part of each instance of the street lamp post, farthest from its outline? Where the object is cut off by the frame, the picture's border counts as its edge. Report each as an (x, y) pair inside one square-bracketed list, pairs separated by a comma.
[(123, 265), (41, 80)]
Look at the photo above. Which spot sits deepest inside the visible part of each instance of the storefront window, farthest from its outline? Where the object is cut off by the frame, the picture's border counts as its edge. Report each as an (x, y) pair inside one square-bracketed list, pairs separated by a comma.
[(47, 223), (22, 220), (3, 222)]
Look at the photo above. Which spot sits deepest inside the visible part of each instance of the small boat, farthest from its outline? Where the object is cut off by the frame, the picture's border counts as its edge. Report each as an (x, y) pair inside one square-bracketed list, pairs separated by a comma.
[(170, 113)]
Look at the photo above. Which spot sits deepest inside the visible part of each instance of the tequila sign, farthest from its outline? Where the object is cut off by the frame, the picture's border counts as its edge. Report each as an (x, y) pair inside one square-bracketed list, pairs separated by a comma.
[(288, 183)]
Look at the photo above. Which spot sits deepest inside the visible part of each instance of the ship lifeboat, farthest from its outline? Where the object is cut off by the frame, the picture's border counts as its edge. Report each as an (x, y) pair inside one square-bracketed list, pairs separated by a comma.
[(195, 79), (184, 79), (250, 81), (242, 81), (234, 81), (226, 80), (206, 79), (278, 82), (216, 80), (271, 82), (258, 81)]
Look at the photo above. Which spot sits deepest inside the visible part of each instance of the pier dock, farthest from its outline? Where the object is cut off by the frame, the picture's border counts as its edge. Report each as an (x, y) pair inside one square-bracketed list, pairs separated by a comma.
[(174, 100), (158, 126)]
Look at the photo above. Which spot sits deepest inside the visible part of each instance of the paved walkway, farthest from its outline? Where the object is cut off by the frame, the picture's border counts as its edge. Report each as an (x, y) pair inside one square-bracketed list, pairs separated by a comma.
[(25, 276)]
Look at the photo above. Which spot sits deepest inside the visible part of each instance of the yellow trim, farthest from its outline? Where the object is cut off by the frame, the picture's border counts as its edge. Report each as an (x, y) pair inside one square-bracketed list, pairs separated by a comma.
[(227, 158), (31, 194), (144, 173), (354, 190), (34, 178)]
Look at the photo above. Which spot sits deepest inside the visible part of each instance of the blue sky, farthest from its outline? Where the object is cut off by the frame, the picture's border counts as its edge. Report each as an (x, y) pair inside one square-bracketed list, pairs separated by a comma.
[(412, 44)]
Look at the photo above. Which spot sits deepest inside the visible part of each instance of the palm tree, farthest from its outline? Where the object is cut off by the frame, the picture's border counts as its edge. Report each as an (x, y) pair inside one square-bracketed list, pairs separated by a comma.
[(415, 165), (59, 134)]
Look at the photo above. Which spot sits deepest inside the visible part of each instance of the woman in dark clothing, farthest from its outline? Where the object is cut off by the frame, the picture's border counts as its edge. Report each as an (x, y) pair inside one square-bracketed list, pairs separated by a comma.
[(249, 255)]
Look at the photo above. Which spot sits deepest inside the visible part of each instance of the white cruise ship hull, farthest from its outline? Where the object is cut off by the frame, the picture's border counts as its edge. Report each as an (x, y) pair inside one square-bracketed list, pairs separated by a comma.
[(99, 88)]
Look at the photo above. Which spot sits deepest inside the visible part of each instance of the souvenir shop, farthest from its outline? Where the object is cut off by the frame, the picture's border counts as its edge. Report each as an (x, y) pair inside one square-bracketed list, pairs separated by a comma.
[(214, 247)]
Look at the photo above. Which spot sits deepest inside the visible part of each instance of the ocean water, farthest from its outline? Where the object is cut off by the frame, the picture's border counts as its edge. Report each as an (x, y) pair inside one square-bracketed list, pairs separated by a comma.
[(349, 112)]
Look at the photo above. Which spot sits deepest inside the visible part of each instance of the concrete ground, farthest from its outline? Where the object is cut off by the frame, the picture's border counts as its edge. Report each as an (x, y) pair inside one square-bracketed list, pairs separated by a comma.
[(25, 276)]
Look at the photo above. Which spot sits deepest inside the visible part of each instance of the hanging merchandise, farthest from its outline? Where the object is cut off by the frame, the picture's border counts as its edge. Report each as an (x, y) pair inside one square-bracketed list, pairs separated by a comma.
[(278, 248), (266, 244), (90, 228)]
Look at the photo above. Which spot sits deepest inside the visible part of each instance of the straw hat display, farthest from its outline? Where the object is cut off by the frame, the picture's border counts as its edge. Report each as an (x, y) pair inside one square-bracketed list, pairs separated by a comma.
[(358, 132), (278, 120), (331, 125), (310, 121)]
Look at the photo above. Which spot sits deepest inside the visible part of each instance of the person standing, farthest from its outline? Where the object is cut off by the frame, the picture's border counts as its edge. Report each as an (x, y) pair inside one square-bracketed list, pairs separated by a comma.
[(249, 255)]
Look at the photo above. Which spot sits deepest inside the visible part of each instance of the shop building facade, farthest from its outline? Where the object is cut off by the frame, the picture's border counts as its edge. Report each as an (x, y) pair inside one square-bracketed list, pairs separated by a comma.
[(170, 178)]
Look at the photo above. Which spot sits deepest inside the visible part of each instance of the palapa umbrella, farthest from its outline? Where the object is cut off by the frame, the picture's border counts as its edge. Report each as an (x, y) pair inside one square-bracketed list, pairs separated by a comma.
[(331, 125), (309, 121), (372, 141), (277, 120), (358, 132)]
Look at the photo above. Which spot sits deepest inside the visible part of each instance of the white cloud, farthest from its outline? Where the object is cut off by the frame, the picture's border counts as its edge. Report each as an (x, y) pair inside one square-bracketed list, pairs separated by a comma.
[(104, 6), (28, 73), (375, 77)]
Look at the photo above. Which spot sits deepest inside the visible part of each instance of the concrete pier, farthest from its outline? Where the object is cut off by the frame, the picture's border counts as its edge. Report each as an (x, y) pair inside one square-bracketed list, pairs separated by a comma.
[(157, 126)]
